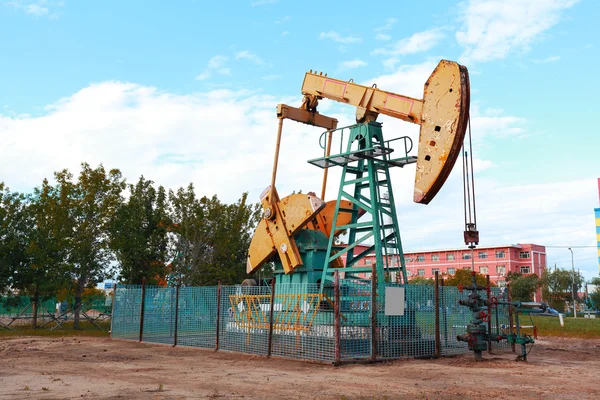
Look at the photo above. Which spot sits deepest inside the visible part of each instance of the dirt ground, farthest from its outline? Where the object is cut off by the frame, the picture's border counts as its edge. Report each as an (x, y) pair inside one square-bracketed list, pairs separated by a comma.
[(101, 368)]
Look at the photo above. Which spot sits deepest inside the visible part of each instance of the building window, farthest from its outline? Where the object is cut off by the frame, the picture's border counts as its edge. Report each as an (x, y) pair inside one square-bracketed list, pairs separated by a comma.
[(500, 254), (466, 256), (483, 254), (434, 270), (409, 259), (421, 272), (501, 283), (420, 258), (501, 270), (435, 257), (450, 257), (483, 270), (451, 271), (408, 273), (367, 261), (524, 254), (525, 269)]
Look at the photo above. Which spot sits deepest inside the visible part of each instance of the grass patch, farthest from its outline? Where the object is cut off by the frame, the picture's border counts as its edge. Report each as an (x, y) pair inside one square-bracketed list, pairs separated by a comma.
[(574, 327), (66, 329)]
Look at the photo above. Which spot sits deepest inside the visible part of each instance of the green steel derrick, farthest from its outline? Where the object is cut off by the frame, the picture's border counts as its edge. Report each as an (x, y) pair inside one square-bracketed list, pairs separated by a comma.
[(366, 183)]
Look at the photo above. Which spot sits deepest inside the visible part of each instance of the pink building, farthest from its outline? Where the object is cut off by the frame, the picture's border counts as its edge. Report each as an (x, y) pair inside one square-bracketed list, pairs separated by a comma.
[(495, 261)]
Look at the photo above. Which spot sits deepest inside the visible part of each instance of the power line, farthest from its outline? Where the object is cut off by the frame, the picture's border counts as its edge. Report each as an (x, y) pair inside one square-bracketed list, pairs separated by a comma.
[(566, 247)]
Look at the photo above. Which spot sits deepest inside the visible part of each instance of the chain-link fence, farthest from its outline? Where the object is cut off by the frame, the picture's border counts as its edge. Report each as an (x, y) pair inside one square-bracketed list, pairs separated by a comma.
[(301, 321)]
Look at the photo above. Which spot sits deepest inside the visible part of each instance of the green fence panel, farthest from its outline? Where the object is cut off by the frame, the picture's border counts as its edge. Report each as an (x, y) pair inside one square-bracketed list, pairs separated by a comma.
[(197, 317), (126, 312)]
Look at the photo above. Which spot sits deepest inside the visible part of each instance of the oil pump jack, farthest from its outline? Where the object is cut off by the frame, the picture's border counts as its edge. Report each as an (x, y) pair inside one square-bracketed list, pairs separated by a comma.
[(299, 232)]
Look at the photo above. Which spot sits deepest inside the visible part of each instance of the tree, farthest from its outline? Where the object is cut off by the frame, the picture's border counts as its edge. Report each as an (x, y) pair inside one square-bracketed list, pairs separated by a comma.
[(139, 234), (13, 236), (463, 277), (420, 280), (93, 202), (557, 287), (595, 296), (522, 287), (212, 238)]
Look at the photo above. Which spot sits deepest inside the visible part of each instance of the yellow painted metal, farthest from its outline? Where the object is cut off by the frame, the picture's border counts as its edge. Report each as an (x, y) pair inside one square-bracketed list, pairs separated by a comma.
[(443, 114), (283, 218), (292, 312), (369, 101), (445, 119), (322, 221)]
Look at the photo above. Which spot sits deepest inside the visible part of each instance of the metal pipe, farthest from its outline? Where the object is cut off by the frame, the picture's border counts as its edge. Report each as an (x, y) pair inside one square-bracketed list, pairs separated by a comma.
[(489, 322), (510, 315), (276, 160), (374, 311), (573, 267), (218, 315), (437, 315), (271, 303), (112, 313), (176, 314), (142, 307), (325, 170), (444, 315), (336, 311)]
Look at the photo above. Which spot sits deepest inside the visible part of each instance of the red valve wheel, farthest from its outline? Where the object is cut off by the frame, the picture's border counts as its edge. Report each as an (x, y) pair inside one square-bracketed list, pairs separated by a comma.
[(484, 316), (460, 288), (493, 302)]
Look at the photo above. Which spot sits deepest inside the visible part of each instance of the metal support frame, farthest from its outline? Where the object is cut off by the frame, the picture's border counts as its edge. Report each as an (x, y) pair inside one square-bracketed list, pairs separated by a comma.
[(365, 178), (142, 308)]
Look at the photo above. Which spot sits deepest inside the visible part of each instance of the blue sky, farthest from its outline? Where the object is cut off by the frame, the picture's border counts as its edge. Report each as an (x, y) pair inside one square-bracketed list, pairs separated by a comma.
[(185, 91)]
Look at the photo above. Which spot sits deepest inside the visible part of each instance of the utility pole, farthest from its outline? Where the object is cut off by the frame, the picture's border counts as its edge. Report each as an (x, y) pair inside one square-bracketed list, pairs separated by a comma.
[(573, 267)]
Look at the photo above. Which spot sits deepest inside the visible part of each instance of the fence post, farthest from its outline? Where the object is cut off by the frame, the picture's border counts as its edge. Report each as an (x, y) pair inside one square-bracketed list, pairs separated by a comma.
[(112, 312), (510, 314), (489, 322), (272, 300), (444, 313), (176, 314), (374, 312), (336, 312), (142, 308), (437, 315), (218, 315)]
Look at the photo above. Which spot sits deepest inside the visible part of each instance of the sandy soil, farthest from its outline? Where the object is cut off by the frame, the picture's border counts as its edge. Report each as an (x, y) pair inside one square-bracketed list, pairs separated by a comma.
[(70, 368)]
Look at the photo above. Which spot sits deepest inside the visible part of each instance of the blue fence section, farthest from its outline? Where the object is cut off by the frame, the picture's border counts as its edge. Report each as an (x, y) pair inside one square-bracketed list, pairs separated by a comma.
[(299, 320)]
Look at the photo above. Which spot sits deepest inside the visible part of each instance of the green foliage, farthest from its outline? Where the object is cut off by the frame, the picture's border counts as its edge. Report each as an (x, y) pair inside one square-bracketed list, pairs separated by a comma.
[(420, 280), (92, 201), (595, 296), (139, 234), (463, 277), (522, 287), (557, 286), (212, 237)]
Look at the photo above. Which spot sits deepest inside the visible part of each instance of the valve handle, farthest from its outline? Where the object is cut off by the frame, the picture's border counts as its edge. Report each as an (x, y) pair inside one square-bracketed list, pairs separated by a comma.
[(484, 316), (460, 288), (493, 301)]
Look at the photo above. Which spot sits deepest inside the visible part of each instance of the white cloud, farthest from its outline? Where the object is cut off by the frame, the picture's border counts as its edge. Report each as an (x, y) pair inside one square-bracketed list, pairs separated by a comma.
[(38, 8), (285, 33), (216, 63), (494, 28), (351, 64), (258, 3), (417, 43), (272, 77), (549, 59), (283, 20), (246, 55), (336, 37), (382, 36), (389, 23)]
